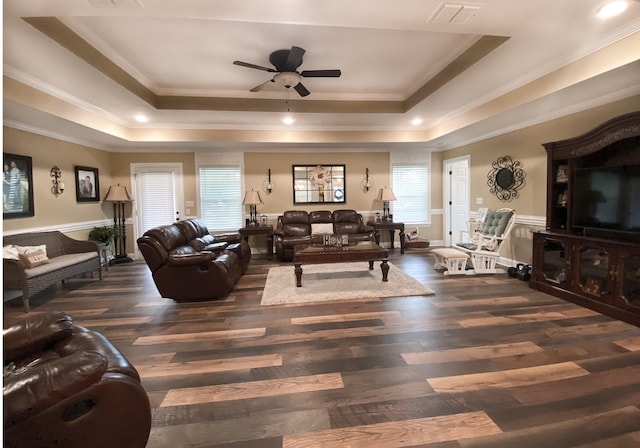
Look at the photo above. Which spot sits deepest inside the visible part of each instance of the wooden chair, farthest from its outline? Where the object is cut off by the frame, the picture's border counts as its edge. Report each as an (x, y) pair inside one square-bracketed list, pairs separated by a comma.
[(484, 245)]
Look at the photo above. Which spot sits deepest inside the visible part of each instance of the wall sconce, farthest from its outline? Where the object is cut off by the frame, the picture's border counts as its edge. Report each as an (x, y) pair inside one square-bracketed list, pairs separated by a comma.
[(367, 181), (58, 186), (268, 185)]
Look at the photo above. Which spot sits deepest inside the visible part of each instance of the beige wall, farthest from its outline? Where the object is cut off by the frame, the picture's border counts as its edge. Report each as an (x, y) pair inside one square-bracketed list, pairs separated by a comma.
[(121, 168), (256, 165), (45, 153), (523, 146)]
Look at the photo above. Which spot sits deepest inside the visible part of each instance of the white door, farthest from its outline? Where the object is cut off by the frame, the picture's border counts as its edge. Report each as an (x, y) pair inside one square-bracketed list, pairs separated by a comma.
[(158, 196), (456, 200)]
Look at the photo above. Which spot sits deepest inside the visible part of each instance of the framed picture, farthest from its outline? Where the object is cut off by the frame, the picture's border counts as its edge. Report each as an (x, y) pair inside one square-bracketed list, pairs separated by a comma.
[(482, 214), (87, 184), (319, 184), (17, 187)]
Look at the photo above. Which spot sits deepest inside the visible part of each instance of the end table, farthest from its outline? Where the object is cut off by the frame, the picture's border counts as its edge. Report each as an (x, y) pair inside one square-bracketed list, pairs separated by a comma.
[(391, 227), (267, 231)]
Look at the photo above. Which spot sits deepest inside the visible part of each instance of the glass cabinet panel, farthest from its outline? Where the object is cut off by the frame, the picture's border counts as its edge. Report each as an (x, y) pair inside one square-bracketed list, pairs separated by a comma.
[(593, 270), (554, 261), (631, 280)]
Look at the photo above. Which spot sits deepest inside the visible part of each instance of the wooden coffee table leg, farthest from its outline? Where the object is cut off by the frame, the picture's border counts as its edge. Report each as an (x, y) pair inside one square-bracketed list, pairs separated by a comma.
[(298, 271), (371, 265), (385, 270)]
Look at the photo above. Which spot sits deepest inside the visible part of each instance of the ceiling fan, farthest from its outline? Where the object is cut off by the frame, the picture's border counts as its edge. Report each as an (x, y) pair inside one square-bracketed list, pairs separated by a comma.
[(286, 63)]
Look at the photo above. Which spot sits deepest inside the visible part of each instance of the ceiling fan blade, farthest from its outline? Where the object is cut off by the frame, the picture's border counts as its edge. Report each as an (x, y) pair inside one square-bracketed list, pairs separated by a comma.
[(302, 90), (258, 67), (294, 60), (321, 73), (261, 86)]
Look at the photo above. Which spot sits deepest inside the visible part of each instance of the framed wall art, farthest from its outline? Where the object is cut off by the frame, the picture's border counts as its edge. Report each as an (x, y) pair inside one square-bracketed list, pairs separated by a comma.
[(319, 184), (17, 187), (87, 184)]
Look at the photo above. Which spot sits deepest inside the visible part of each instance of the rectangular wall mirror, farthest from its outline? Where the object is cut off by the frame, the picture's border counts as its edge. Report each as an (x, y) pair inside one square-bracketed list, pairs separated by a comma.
[(319, 184)]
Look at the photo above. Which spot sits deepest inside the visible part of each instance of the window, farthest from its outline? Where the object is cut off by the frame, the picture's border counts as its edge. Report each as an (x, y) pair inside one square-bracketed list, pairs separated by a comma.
[(221, 197), (411, 188)]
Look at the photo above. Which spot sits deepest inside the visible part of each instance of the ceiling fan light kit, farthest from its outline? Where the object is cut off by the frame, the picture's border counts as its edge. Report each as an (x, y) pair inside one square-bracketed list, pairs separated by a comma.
[(286, 64)]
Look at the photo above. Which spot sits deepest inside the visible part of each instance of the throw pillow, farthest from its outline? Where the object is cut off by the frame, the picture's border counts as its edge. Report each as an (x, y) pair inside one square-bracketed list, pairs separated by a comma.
[(34, 258), (10, 252), (321, 228), (27, 249)]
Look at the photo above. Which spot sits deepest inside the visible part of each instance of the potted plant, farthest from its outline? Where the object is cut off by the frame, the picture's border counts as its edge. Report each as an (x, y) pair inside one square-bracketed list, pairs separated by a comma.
[(103, 234)]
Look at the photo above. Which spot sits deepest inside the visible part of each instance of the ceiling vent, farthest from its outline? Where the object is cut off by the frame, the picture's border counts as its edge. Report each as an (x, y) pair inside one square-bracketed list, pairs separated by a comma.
[(454, 13)]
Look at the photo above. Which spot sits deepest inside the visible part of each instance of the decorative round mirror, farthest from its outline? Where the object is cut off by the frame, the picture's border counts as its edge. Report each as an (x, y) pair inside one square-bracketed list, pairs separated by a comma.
[(505, 178)]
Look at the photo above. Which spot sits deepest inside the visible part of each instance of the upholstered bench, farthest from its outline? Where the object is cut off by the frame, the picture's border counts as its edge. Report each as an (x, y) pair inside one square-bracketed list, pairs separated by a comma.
[(453, 260)]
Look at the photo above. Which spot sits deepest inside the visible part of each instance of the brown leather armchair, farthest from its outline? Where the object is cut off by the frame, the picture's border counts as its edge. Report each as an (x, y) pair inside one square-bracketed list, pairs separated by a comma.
[(187, 263), (70, 387)]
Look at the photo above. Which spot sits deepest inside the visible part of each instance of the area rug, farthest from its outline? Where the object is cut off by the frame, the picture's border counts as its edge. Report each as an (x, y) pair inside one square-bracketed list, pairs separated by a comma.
[(338, 281)]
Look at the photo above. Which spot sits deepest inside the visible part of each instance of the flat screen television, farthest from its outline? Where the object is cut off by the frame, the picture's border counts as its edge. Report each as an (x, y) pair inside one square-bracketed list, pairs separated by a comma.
[(606, 201)]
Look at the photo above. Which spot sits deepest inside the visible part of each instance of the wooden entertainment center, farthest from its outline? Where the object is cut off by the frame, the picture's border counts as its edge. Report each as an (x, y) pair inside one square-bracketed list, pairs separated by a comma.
[(592, 265)]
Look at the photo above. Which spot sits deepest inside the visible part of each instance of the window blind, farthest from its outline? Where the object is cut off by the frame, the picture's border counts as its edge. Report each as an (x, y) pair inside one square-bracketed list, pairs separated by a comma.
[(157, 195), (221, 197), (410, 185)]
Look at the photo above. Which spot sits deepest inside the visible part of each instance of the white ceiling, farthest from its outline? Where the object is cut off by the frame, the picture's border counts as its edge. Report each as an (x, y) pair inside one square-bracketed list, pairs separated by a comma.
[(559, 58)]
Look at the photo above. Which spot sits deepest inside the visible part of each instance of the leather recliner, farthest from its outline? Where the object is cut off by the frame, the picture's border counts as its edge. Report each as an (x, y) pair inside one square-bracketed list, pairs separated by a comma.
[(187, 263), (66, 386)]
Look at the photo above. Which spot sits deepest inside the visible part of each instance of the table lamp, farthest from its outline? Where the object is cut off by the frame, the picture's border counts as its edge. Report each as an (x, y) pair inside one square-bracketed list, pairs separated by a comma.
[(385, 195), (252, 198)]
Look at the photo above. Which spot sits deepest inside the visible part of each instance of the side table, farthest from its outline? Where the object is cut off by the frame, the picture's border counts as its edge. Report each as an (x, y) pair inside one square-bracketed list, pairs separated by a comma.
[(267, 231), (391, 227)]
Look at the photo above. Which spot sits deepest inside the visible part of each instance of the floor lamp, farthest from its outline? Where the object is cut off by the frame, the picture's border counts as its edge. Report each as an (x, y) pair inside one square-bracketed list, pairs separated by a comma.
[(119, 196)]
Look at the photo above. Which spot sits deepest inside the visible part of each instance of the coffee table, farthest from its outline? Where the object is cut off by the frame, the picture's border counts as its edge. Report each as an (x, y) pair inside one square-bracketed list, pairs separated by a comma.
[(362, 251)]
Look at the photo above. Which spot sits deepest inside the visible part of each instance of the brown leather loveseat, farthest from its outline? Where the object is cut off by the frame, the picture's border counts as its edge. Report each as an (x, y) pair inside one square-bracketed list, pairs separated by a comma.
[(188, 263), (67, 386), (301, 227)]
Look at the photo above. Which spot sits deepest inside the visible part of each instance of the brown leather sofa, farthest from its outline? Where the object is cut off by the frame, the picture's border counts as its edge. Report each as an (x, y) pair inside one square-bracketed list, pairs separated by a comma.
[(188, 263), (301, 227), (66, 386)]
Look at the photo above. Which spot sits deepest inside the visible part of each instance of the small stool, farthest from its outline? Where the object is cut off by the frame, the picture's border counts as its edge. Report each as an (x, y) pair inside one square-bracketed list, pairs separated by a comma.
[(453, 260)]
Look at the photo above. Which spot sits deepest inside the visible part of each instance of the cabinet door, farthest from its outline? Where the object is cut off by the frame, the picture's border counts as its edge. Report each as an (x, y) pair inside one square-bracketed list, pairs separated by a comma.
[(593, 271), (628, 269), (555, 261)]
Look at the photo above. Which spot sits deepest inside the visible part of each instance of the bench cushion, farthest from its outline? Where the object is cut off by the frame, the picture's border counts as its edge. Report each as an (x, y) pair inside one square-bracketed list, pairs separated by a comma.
[(59, 262), (446, 253)]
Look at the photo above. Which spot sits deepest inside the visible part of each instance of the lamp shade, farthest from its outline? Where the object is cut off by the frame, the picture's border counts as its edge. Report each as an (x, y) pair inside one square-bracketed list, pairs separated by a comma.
[(118, 194), (252, 198), (386, 194)]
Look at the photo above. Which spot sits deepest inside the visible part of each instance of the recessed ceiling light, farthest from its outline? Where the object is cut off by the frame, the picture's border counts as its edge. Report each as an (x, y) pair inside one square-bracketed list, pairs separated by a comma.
[(288, 119), (416, 121), (141, 118), (612, 9)]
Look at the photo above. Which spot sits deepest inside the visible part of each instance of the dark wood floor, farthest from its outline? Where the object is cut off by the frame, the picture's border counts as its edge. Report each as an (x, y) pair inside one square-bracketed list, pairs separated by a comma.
[(486, 362)]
